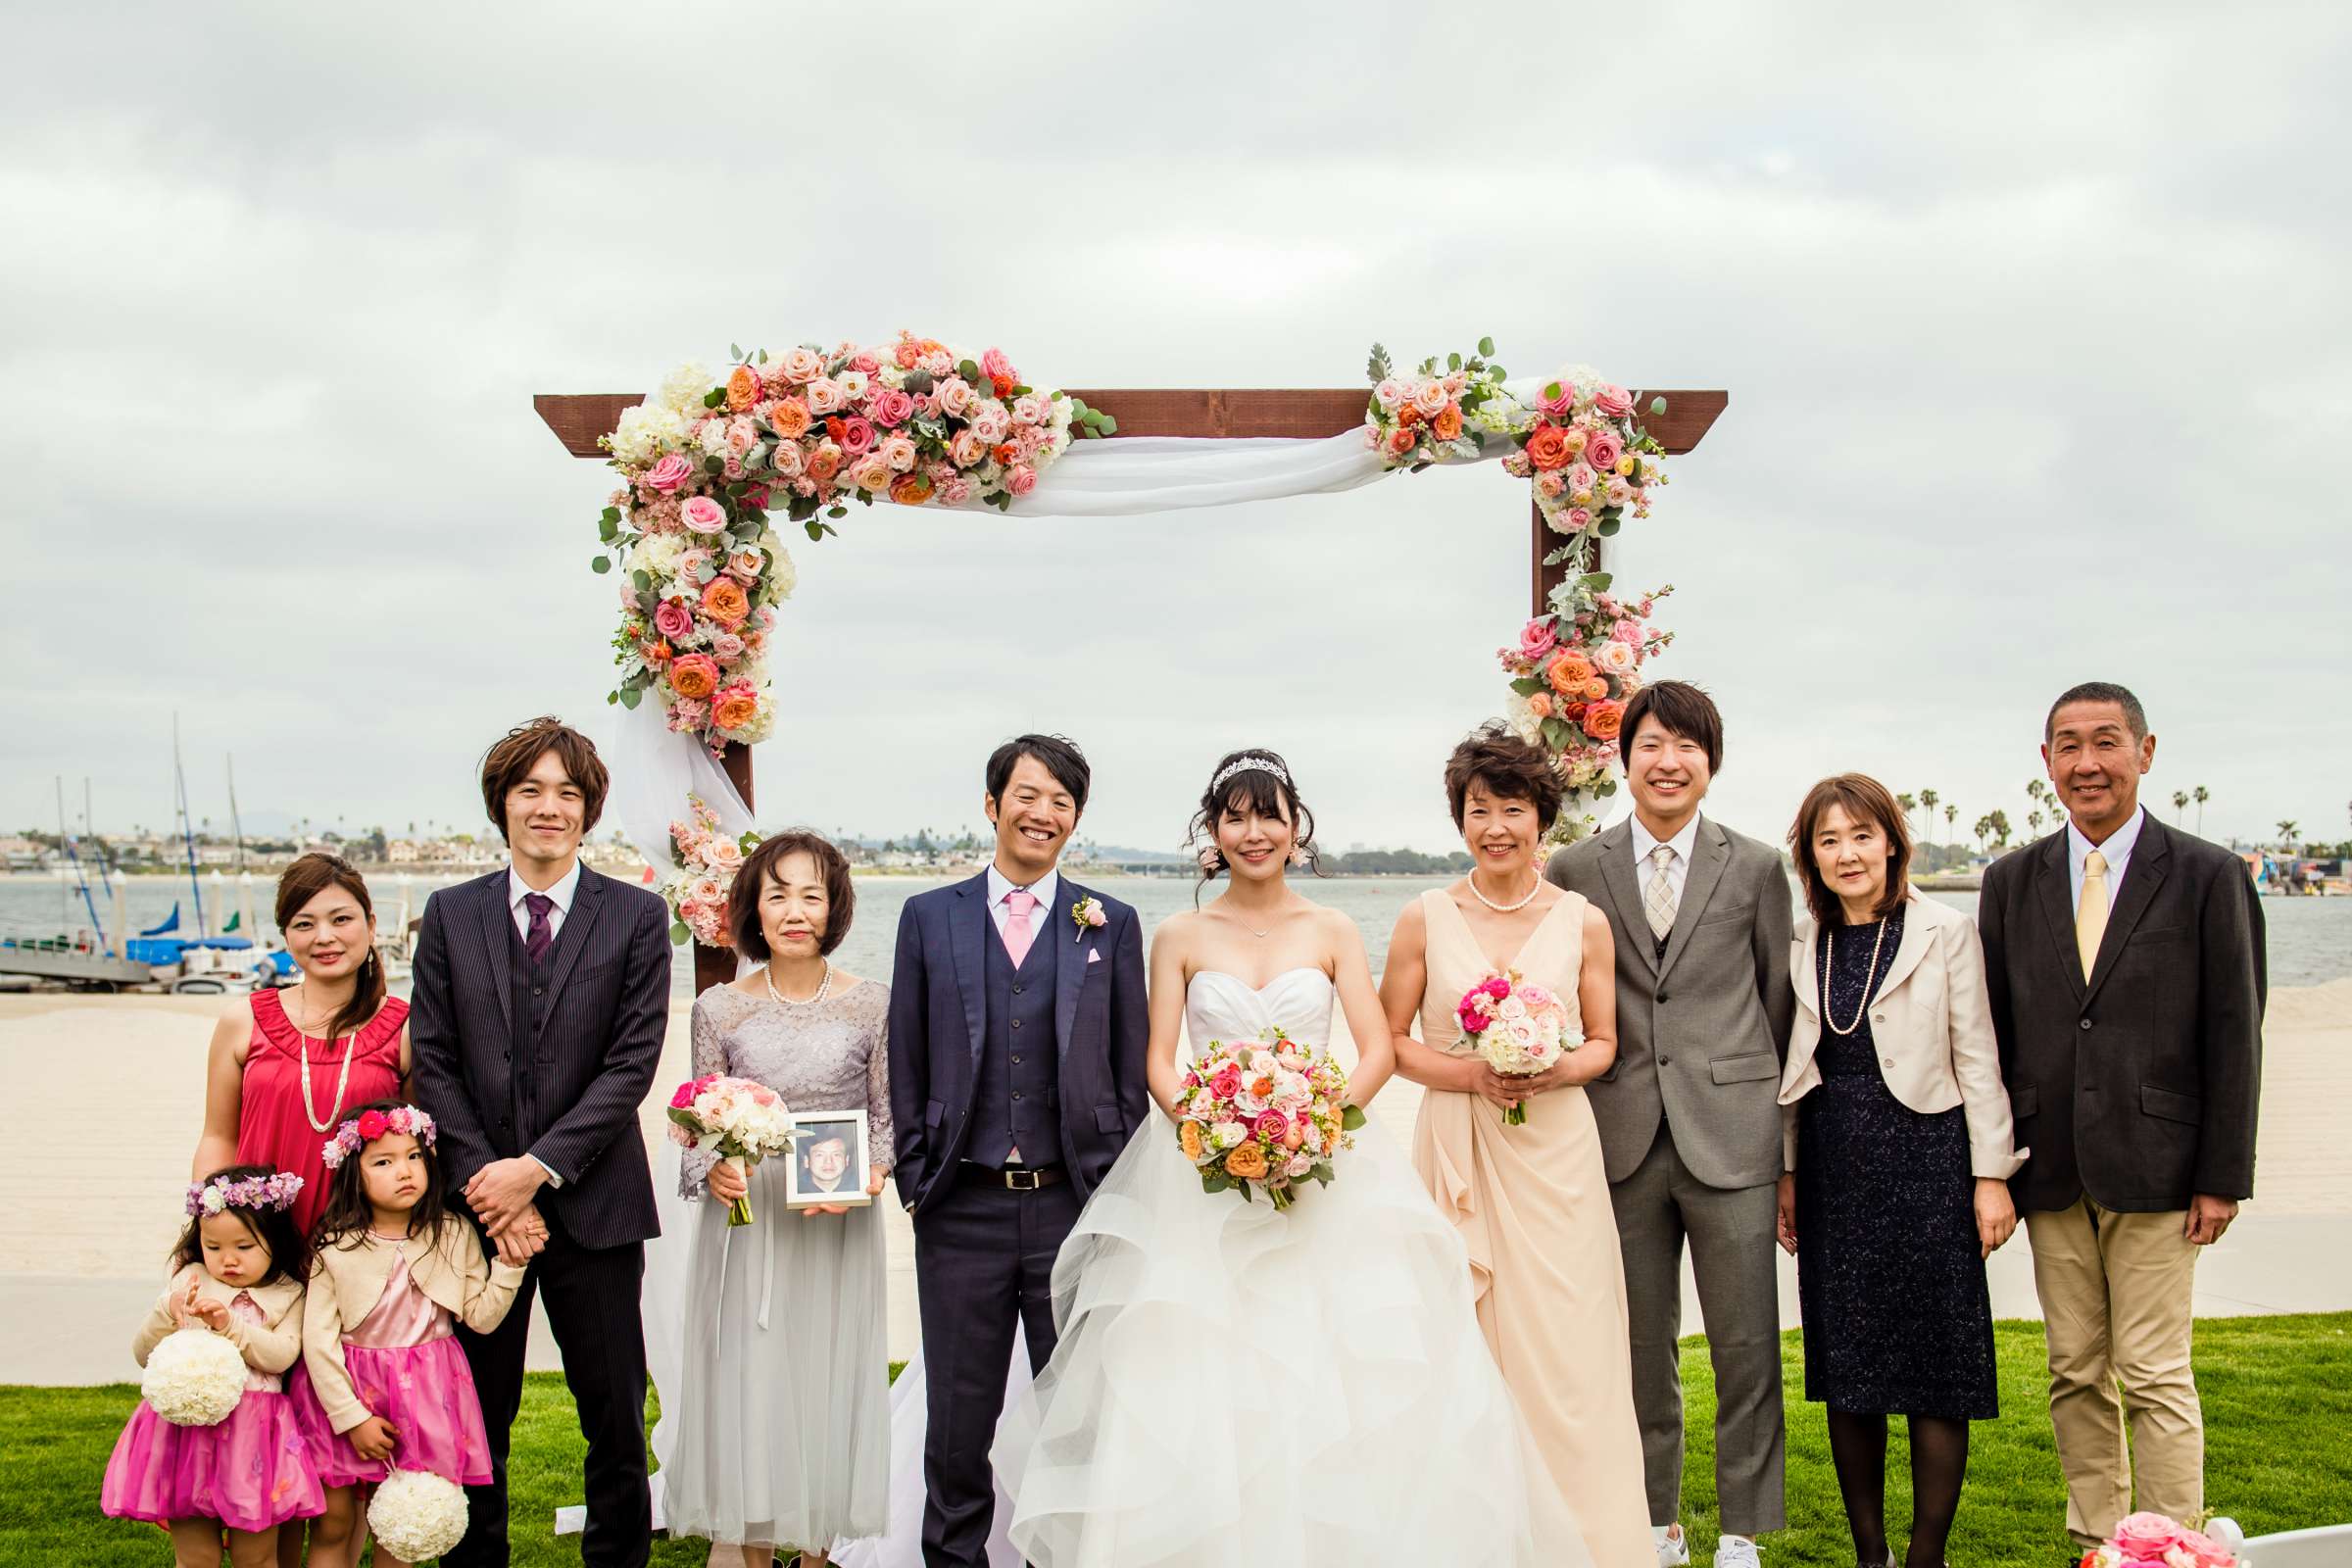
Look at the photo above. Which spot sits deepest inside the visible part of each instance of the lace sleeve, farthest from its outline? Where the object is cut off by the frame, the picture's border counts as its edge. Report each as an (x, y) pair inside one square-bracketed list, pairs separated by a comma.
[(710, 1037), (881, 1130)]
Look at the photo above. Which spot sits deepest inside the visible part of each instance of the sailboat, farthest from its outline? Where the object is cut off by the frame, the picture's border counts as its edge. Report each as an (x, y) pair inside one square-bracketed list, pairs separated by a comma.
[(204, 963)]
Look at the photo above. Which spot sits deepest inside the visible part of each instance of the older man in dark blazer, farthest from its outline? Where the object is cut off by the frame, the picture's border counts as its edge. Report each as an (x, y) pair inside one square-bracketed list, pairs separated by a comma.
[(2127, 971), (540, 999)]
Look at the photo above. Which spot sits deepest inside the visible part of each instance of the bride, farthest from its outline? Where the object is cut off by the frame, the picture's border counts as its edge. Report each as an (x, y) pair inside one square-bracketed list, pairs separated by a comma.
[(1308, 1386)]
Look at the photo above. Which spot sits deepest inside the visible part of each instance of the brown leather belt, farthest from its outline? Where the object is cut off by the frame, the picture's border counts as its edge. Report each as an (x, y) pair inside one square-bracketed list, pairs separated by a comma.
[(1023, 1180)]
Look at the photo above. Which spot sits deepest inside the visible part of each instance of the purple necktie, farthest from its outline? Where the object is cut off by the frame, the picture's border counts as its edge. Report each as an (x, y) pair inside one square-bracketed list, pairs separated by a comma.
[(541, 936)]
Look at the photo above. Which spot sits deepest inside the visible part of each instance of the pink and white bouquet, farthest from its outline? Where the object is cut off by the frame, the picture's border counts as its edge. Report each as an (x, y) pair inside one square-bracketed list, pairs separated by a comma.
[(739, 1119), (1437, 416), (704, 861), (1572, 671), (1520, 1029), (2153, 1541), (1590, 462), (705, 461), (1263, 1115)]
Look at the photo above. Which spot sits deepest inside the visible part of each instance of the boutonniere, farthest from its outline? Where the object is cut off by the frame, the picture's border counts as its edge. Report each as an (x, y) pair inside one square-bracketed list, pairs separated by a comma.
[(1086, 914)]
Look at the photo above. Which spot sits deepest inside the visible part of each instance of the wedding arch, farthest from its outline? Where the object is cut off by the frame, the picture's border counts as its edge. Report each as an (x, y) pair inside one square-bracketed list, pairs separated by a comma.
[(712, 465)]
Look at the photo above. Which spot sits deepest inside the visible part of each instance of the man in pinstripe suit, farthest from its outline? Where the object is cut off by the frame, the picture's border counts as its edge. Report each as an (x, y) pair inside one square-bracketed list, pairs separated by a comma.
[(540, 998)]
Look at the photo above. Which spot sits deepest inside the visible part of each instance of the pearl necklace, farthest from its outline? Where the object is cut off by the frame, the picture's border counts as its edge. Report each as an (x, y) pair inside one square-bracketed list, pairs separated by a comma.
[(310, 1112), (824, 987), (1502, 909), (1828, 955)]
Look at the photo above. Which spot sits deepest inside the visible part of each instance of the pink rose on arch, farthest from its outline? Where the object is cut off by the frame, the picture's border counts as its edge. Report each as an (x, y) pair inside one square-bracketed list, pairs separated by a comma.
[(1616, 658), (670, 472), (956, 396), (803, 365), (1028, 410), (1429, 399), (1614, 400), (1628, 631), (722, 854), (1551, 484), (1580, 480), (1536, 639), (703, 515), (865, 361), (741, 436), (898, 452), (890, 405), (733, 468), (2147, 1536), (956, 492), (870, 473), (824, 396), (967, 448), (857, 435), (995, 367), (1560, 405), (786, 459), (992, 423), (747, 562), (672, 619), (1021, 480), (1604, 450), (939, 362), (727, 646), (1618, 491)]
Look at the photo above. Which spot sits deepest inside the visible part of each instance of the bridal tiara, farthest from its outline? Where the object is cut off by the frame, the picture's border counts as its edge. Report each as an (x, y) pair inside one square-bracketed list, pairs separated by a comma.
[(1249, 764)]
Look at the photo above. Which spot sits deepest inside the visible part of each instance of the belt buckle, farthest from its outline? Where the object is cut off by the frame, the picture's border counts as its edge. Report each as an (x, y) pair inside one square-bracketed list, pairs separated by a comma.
[(1023, 1181)]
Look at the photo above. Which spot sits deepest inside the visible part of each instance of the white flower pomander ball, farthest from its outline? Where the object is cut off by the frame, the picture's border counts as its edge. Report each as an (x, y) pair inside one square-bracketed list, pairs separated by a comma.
[(417, 1515), (194, 1378)]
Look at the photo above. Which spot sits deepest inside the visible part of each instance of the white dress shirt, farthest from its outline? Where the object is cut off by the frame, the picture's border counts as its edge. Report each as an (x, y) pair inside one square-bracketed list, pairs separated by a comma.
[(2116, 850), (1045, 887), (562, 893), (1678, 870)]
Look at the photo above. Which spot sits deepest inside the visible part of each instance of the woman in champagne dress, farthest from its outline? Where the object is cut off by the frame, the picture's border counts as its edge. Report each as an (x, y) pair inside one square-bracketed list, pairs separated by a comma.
[(1530, 1201)]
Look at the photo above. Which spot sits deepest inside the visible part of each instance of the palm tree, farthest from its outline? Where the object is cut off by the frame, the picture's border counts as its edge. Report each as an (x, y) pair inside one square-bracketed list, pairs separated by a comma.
[(2034, 821), (1951, 817), (1908, 803), (2180, 804), (2288, 828), (1928, 799), (2200, 795)]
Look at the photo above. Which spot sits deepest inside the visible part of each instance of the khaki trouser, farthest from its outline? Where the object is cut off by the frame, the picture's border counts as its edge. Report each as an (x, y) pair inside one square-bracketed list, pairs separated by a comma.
[(2115, 1294)]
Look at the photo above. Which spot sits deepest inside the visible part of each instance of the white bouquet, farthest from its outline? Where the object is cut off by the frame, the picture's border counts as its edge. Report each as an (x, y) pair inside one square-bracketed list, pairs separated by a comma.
[(742, 1119), (1520, 1029), (417, 1515), (194, 1378)]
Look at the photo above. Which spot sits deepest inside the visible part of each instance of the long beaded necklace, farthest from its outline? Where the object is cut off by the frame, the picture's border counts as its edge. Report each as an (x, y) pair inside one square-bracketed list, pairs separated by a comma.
[(767, 972), (1829, 956), (351, 1043), (1504, 909)]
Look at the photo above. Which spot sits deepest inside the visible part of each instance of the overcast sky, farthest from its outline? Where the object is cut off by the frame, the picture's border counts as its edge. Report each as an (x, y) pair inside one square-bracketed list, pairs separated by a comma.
[(2035, 322)]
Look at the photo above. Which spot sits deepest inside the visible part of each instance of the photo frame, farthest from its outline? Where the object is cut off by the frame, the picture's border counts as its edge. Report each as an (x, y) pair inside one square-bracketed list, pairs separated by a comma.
[(828, 1146)]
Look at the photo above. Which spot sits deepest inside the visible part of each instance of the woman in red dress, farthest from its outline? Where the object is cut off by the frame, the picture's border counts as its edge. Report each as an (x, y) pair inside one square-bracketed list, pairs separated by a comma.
[(285, 1071)]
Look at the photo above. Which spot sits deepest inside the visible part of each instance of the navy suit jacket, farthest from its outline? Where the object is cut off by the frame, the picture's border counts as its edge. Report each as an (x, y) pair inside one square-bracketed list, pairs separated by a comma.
[(607, 1009), (939, 1025)]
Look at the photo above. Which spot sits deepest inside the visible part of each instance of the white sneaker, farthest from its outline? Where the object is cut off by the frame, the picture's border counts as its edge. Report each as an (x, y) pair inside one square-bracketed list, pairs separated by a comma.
[(1735, 1551), (1674, 1545)]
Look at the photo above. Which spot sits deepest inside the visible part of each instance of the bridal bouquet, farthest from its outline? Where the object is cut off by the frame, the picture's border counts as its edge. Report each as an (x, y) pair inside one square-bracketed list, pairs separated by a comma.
[(1520, 1029), (743, 1120), (1262, 1115)]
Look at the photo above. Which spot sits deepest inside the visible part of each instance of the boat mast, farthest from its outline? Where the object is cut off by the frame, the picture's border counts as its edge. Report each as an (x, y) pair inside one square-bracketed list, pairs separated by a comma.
[(64, 841), (187, 827), (235, 825)]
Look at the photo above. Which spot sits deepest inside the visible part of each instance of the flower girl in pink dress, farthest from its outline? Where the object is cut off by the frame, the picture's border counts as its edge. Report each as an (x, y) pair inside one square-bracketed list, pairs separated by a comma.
[(238, 1271), (395, 1272)]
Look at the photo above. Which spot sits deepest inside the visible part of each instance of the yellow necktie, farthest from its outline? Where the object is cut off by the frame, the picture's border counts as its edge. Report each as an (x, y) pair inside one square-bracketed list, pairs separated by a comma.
[(2090, 915)]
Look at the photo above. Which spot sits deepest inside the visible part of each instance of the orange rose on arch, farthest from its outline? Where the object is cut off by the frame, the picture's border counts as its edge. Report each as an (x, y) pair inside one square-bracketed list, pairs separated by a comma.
[(1547, 448), (1248, 1162), (743, 389), (1540, 704), (695, 676), (789, 417), (1595, 688), (1568, 671), (1448, 424), (724, 602), (910, 489), (736, 706), (1603, 720)]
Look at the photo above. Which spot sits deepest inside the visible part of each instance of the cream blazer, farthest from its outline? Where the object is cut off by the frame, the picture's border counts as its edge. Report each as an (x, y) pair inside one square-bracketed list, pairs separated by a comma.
[(349, 1277), (268, 1346), (1933, 1028)]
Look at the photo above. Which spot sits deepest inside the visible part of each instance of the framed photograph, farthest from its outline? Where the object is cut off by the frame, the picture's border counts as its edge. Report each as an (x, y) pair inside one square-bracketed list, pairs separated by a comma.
[(829, 1159)]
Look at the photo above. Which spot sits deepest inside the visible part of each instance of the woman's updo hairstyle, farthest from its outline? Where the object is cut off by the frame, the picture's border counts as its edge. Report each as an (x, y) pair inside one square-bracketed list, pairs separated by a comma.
[(1254, 781)]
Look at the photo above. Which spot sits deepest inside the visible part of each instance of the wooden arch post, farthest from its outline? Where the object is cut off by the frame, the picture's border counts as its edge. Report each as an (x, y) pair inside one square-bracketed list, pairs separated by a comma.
[(580, 419)]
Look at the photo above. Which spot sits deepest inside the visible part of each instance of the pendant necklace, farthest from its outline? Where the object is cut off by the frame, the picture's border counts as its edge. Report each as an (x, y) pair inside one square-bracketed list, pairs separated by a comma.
[(768, 973), (1869, 983), (351, 1043), (1504, 909)]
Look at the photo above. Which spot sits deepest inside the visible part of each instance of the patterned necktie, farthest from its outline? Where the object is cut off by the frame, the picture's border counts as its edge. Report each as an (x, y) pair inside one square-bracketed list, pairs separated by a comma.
[(542, 935), (1657, 899), (1017, 933), (2090, 915)]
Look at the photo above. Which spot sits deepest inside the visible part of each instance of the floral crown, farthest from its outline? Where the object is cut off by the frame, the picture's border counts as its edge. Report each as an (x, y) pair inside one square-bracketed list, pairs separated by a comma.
[(1249, 764), (370, 1125), (219, 1193)]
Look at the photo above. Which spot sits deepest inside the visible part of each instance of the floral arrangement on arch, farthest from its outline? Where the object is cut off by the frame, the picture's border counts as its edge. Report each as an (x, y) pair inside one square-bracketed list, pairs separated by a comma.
[(705, 860), (705, 461), (1572, 672), (1590, 463), (2156, 1541), (1433, 416)]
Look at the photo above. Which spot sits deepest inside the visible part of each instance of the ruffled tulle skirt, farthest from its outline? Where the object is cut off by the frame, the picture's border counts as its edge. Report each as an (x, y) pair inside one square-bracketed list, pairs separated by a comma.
[(251, 1471), (425, 1390), (1308, 1387)]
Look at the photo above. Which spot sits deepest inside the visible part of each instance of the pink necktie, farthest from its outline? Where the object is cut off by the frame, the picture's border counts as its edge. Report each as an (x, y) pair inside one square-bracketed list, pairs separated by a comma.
[(1017, 904)]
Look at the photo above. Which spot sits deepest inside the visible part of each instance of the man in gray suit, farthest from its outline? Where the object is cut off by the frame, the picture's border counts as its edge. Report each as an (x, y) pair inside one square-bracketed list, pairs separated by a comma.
[(1689, 1116)]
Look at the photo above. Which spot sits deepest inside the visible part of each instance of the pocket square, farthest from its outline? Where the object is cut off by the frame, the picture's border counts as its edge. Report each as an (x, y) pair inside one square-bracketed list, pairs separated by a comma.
[(1094, 955)]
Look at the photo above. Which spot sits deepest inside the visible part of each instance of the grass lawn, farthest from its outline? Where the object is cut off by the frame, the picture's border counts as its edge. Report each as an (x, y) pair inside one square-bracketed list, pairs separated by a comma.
[(2278, 1394)]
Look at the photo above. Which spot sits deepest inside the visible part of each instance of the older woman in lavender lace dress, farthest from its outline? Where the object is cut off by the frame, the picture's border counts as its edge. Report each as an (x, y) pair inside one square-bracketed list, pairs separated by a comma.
[(784, 1421)]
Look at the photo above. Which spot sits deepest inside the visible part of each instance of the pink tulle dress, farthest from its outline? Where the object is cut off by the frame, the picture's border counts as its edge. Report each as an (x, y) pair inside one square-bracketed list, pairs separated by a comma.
[(406, 1366), (251, 1472)]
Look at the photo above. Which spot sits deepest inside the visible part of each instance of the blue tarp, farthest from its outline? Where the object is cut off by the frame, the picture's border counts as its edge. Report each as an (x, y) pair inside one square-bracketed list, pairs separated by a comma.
[(167, 928)]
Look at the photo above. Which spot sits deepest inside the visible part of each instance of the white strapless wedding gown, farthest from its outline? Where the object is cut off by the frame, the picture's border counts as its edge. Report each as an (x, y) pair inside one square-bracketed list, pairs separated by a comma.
[(1306, 1387)]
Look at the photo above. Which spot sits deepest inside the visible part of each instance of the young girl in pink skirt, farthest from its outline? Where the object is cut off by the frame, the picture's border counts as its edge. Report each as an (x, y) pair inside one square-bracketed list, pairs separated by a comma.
[(395, 1272), (238, 1271)]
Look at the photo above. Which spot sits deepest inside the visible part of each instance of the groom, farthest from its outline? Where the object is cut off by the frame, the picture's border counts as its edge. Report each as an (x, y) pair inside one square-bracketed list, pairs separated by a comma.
[(540, 998), (1017, 1076)]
